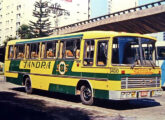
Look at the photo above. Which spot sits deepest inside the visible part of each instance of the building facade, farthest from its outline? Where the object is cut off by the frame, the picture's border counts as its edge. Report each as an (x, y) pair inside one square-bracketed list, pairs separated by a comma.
[(14, 13)]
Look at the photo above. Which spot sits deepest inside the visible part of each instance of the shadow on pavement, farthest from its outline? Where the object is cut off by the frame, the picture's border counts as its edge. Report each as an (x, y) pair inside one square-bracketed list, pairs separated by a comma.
[(61, 96), (14, 108), (110, 104), (127, 104)]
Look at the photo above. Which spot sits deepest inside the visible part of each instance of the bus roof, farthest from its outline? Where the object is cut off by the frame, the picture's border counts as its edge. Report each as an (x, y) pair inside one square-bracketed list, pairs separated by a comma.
[(84, 35)]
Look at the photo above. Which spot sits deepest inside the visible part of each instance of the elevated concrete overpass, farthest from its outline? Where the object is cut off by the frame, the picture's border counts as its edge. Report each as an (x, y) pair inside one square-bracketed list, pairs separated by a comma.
[(143, 19)]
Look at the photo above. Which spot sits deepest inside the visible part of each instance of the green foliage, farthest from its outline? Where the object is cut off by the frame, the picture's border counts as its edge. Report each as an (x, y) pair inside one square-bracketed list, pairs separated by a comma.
[(41, 27), (24, 32)]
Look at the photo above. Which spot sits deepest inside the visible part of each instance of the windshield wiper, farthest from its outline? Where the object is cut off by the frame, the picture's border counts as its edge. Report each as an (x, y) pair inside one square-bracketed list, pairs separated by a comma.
[(151, 62)]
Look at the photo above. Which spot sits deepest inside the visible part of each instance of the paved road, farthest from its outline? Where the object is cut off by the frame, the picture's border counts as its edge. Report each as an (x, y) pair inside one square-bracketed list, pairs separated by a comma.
[(42, 105)]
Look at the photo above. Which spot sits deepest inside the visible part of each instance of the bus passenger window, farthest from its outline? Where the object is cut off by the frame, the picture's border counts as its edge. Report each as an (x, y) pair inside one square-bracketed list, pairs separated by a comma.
[(89, 52), (20, 51), (160, 53), (50, 50), (34, 50), (11, 52), (70, 46), (102, 53)]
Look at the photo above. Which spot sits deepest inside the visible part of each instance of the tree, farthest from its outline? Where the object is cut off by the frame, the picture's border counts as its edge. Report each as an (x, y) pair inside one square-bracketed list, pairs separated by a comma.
[(41, 27), (57, 11), (24, 32)]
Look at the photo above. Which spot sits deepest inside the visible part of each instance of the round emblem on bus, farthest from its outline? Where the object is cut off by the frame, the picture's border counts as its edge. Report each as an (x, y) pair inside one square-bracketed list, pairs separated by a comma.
[(62, 68)]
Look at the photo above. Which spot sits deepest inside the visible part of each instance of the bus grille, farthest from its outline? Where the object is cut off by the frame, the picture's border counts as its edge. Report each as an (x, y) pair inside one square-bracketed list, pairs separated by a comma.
[(139, 82)]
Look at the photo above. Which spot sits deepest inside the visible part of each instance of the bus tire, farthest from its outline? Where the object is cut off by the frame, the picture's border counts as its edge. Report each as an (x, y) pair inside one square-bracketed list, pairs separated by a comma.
[(86, 95), (28, 87)]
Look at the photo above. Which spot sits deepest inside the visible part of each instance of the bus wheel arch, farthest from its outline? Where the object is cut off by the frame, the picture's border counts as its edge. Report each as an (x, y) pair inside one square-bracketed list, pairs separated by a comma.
[(86, 92), (24, 78), (27, 84)]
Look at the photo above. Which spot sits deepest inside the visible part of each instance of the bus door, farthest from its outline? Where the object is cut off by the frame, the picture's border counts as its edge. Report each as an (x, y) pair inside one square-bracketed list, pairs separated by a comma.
[(102, 58)]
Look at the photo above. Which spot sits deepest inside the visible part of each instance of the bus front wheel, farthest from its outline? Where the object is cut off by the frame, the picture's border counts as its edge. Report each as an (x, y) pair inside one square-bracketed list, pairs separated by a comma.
[(28, 87), (86, 95)]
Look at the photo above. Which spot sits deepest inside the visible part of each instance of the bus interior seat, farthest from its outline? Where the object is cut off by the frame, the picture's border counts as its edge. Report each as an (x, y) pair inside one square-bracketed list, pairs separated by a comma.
[(50, 54), (34, 55), (20, 55), (69, 53), (100, 63)]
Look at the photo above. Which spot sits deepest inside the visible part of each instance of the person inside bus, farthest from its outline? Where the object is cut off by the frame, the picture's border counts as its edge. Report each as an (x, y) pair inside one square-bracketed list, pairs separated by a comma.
[(128, 54), (50, 53)]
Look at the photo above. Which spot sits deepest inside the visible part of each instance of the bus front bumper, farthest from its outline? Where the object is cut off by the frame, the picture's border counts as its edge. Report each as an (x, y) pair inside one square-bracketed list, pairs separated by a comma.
[(137, 94)]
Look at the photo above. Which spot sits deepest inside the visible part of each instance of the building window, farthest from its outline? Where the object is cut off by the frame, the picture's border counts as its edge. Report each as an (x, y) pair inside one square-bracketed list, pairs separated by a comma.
[(17, 25), (18, 7), (18, 16)]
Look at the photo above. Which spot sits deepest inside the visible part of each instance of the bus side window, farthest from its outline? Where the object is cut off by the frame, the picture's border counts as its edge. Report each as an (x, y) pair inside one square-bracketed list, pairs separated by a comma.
[(11, 52), (102, 49), (34, 50), (70, 46), (20, 51), (51, 49), (160, 53), (89, 52)]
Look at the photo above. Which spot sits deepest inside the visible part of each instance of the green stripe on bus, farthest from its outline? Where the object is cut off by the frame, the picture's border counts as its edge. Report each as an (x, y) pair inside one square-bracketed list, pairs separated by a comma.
[(14, 66), (49, 39), (62, 89), (102, 94), (17, 81)]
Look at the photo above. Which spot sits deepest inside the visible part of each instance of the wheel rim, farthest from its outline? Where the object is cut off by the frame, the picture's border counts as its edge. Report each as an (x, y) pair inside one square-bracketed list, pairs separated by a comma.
[(87, 94)]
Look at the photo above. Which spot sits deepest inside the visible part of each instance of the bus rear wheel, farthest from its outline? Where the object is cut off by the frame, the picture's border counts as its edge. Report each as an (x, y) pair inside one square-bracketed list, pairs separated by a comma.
[(86, 95), (28, 87)]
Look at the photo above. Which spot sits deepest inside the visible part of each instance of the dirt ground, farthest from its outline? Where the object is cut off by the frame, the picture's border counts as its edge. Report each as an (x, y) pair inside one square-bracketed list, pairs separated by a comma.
[(15, 104)]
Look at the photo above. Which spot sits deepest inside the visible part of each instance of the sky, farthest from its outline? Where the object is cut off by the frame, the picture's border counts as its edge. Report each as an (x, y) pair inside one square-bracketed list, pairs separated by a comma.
[(142, 2), (98, 7)]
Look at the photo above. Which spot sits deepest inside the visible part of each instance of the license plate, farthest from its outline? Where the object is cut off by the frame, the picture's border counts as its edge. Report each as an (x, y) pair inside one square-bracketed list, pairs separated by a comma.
[(144, 93)]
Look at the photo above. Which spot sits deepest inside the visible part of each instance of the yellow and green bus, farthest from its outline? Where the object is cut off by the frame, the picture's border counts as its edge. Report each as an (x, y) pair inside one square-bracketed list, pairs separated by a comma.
[(94, 64)]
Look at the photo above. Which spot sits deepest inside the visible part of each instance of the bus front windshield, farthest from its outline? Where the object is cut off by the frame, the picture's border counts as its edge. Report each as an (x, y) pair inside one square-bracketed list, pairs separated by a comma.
[(133, 51)]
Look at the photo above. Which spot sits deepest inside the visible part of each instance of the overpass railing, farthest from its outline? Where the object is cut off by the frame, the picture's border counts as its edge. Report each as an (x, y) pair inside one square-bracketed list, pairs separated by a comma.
[(142, 7)]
